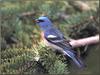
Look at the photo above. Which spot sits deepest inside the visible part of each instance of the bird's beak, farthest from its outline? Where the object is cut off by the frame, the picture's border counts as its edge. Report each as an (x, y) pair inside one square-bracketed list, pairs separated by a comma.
[(35, 21)]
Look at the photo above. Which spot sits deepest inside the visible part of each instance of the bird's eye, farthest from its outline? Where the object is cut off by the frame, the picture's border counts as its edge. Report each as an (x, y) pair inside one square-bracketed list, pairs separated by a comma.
[(40, 20)]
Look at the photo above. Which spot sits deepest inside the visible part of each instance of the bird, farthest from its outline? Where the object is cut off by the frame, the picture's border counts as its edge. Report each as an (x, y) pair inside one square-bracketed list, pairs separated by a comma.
[(55, 39)]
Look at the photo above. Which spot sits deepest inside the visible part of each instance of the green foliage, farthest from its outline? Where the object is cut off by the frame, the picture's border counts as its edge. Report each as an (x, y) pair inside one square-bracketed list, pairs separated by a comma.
[(54, 64), (58, 68), (28, 55), (79, 18), (15, 59), (51, 9)]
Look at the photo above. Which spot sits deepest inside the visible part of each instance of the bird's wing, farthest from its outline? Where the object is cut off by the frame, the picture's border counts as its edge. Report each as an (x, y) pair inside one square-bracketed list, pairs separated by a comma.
[(55, 37)]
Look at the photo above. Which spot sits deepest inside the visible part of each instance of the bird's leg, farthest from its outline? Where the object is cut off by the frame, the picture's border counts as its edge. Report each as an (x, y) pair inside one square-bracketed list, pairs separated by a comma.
[(78, 53)]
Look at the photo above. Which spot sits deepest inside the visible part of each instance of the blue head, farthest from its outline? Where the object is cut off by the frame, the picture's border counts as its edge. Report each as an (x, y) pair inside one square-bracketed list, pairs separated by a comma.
[(44, 23)]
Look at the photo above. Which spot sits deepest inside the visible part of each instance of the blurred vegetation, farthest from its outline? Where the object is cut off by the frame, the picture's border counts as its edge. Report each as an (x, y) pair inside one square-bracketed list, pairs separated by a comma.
[(20, 38)]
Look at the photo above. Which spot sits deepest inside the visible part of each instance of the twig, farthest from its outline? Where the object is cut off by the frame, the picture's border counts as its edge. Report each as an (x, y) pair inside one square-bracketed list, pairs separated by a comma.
[(27, 13), (80, 5), (85, 41)]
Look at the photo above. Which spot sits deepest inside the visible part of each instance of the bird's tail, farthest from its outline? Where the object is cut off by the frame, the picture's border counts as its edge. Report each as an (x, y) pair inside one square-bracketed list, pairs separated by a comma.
[(78, 62), (75, 59)]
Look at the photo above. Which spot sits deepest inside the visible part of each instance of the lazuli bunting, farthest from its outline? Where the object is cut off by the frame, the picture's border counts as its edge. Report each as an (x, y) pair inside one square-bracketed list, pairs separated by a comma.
[(54, 38)]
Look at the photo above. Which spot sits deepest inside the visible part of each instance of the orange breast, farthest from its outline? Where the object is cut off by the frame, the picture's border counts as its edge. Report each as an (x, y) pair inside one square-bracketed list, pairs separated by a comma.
[(43, 40), (42, 35)]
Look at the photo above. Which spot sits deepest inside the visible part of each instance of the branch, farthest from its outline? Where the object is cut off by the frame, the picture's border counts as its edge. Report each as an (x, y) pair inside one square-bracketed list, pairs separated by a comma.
[(29, 13), (85, 41), (80, 5), (25, 15)]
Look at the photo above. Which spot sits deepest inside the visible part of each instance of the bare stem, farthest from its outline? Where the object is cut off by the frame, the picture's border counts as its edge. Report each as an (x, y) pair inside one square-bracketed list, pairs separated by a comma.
[(85, 41)]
